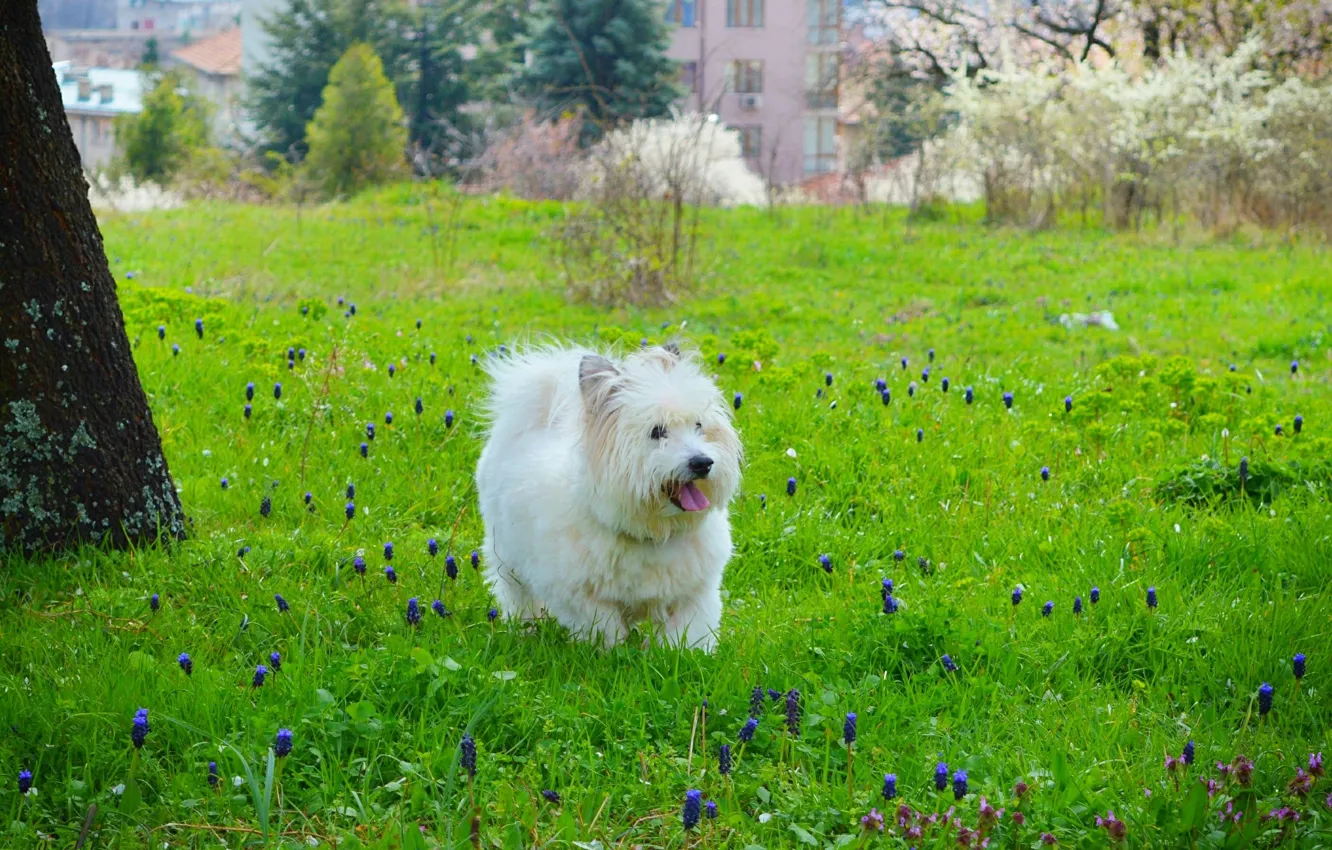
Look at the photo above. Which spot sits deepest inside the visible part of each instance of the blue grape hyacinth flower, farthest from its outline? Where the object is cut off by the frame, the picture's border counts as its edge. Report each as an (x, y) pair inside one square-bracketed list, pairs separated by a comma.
[(948, 663), (413, 612), (793, 712), (747, 731), (139, 729), (467, 754), (1095, 595), (941, 776), (1151, 597), (185, 663), (1265, 698), (889, 786), (438, 607), (1008, 400), (1297, 665), (391, 575), (790, 486), (849, 728), (259, 673), (282, 605), (826, 563), (693, 808), (282, 744), (959, 784), (724, 760)]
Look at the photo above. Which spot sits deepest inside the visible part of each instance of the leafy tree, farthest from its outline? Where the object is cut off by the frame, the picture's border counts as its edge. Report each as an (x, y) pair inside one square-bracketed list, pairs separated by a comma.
[(308, 38), (154, 144), (440, 56), (357, 136), (603, 58), (150, 58)]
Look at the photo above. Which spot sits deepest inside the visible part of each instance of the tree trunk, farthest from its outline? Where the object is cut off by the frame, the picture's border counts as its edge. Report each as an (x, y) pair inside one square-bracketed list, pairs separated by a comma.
[(80, 459)]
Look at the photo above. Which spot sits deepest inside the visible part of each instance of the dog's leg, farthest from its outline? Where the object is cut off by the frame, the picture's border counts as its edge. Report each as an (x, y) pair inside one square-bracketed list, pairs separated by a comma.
[(694, 622), (515, 600), (589, 620)]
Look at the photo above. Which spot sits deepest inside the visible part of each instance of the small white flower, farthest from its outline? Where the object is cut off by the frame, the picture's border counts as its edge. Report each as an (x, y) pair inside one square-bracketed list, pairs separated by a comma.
[(791, 453), (207, 452), (237, 782), (119, 789), (764, 817), (1177, 528)]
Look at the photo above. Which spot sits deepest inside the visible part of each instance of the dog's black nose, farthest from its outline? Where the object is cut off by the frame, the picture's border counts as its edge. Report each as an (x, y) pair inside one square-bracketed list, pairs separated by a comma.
[(700, 466)]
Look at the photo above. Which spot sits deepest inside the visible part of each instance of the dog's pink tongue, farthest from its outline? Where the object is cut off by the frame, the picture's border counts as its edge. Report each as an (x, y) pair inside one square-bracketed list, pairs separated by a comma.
[(692, 498)]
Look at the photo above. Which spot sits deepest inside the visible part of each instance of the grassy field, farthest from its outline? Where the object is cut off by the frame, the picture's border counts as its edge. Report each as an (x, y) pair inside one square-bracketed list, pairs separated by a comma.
[(940, 491)]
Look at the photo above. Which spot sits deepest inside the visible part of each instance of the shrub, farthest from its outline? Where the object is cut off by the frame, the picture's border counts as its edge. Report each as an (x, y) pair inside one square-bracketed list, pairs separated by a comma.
[(357, 136), (634, 239), (1210, 137)]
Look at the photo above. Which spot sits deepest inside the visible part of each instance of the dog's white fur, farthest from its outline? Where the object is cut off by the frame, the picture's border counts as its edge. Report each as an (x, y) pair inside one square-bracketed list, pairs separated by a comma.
[(576, 489)]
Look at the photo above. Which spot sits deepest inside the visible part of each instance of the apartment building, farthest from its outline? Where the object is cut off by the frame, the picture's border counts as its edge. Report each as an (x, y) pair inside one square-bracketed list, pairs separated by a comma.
[(769, 69)]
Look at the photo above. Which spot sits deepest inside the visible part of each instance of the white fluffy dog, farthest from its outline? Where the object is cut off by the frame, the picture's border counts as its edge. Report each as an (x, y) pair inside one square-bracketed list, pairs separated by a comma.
[(604, 488)]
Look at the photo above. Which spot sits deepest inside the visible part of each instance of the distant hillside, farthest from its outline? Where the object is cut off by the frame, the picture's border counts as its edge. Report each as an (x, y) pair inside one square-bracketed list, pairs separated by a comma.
[(77, 14)]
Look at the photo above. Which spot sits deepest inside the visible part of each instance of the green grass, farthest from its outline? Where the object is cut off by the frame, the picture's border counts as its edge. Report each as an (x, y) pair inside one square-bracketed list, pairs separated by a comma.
[(1083, 709)]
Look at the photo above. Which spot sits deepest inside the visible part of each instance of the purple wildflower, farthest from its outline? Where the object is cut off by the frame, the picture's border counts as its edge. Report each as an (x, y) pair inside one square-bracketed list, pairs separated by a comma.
[(849, 728), (889, 786), (413, 612), (282, 744), (259, 673), (139, 731), (467, 754), (693, 807), (793, 712), (1264, 698), (747, 731), (185, 663)]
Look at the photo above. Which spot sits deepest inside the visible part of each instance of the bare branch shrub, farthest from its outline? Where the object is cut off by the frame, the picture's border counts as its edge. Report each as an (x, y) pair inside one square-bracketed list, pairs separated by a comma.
[(533, 159), (634, 237)]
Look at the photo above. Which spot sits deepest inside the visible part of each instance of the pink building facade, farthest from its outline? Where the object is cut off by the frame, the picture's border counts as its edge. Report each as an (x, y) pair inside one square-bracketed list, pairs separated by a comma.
[(769, 69)]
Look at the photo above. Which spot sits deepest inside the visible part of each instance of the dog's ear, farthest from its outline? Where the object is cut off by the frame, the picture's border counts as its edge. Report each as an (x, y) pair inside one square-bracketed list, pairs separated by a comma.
[(672, 349), (594, 376)]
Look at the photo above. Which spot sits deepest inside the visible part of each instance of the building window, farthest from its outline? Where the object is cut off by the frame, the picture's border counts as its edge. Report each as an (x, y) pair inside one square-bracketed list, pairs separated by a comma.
[(681, 12), (689, 76), (744, 13), (745, 76), (820, 144), (821, 78), (822, 17), (751, 141)]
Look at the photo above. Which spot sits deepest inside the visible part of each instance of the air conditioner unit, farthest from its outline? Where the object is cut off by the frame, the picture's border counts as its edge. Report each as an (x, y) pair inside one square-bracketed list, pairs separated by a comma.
[(751, 102)]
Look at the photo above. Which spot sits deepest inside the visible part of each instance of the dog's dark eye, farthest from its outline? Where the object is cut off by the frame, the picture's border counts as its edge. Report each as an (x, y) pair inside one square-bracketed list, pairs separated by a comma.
[(658, 432), (698, 426)]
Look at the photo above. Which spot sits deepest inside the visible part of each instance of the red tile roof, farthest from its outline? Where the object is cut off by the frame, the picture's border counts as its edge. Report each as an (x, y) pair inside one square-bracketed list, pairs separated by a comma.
[(220, 54)]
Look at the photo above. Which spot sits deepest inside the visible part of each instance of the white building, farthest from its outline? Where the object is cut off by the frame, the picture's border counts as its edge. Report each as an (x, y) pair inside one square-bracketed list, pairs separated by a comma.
[(92, 98)]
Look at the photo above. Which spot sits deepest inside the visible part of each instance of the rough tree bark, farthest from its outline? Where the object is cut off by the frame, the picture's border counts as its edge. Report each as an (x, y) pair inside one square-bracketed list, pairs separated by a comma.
[(80, 460)]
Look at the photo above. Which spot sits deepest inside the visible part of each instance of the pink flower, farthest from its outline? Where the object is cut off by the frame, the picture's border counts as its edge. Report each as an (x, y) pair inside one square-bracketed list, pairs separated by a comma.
[(1048, 838)]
